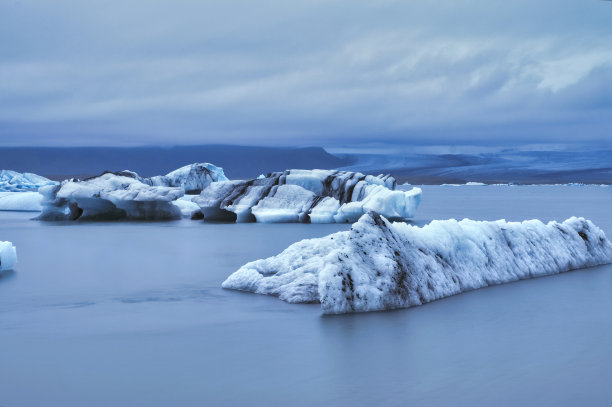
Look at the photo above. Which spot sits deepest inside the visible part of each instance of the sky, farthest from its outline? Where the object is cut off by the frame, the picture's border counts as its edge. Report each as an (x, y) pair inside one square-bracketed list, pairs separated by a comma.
[(330, 73)]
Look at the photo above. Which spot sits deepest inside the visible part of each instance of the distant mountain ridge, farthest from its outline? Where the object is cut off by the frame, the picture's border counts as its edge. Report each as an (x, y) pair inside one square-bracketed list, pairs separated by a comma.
[(507, 166), (237, 161), (246, 162)]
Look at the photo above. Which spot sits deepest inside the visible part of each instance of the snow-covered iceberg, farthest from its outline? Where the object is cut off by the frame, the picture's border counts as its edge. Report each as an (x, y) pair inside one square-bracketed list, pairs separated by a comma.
[(317, 196), (8, 256), (20, 201), (109, 196), (192, 178), (12, 181), (379, 265), (126, 195)]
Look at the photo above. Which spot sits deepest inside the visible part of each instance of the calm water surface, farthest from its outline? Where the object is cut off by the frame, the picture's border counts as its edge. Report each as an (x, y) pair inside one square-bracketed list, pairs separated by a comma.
[(132, 314)]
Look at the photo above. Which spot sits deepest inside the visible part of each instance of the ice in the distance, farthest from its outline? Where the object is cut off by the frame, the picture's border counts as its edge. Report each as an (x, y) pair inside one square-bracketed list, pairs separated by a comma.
[(192, 178), (29, 201), (8, 256), (379, 265), (468, 184), (316, 196), (12, 181)]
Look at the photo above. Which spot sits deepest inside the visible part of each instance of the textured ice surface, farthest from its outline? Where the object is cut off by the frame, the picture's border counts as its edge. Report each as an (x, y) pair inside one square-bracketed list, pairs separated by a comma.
[(317, 196), (8, 256), (126, 195), (12, 181), (192, 178), (380, 265), (20, 201), (109, 196), (187, 207)]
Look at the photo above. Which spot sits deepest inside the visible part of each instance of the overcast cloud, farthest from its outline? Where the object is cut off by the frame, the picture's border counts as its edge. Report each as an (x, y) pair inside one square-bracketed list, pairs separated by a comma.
[(304, 72)]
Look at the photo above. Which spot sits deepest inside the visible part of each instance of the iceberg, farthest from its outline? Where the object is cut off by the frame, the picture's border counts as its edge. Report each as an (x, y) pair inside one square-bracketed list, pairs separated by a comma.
[(316, 196), (110, 196), (127, 195), (379, 265), (192, 178), (8, 256), (12, 181), (20, 201), (467, 184)]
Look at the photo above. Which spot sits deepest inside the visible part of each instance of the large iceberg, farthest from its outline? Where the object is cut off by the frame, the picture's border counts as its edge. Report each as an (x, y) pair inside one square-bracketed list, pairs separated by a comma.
[(126, 195), (190, 178), (379, 265), (109, 196), (12, 181), (317, 196), (8, 256), (29, 201)]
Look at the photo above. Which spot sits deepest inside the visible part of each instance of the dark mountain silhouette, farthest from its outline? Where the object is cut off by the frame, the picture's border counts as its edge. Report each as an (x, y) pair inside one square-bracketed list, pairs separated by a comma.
[(237, 161)]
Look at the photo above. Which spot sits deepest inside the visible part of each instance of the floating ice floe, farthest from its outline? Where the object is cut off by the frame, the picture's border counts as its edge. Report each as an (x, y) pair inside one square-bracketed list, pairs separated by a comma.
[(317, 196), (8, 256), (126, 195), (20, 201), (379, 265), (12, 181), (109, 196), (467, 184)]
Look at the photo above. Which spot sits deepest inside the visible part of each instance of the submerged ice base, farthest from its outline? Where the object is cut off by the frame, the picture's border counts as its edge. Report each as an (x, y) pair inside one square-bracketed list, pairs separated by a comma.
[(8, 256), (379, 265)]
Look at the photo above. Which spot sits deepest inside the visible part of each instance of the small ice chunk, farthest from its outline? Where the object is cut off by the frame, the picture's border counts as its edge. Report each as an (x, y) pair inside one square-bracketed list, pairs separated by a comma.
[(8, 256)]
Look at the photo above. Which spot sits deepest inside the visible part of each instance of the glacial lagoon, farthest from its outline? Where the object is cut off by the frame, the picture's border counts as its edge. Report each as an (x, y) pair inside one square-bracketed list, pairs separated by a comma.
[(133, 314)]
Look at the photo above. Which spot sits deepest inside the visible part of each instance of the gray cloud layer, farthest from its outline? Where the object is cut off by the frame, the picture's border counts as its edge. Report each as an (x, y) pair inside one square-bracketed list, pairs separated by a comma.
[(312, 72)]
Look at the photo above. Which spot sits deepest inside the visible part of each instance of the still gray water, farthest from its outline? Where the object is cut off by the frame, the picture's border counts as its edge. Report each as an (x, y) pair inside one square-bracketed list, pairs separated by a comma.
[(132, 314)]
